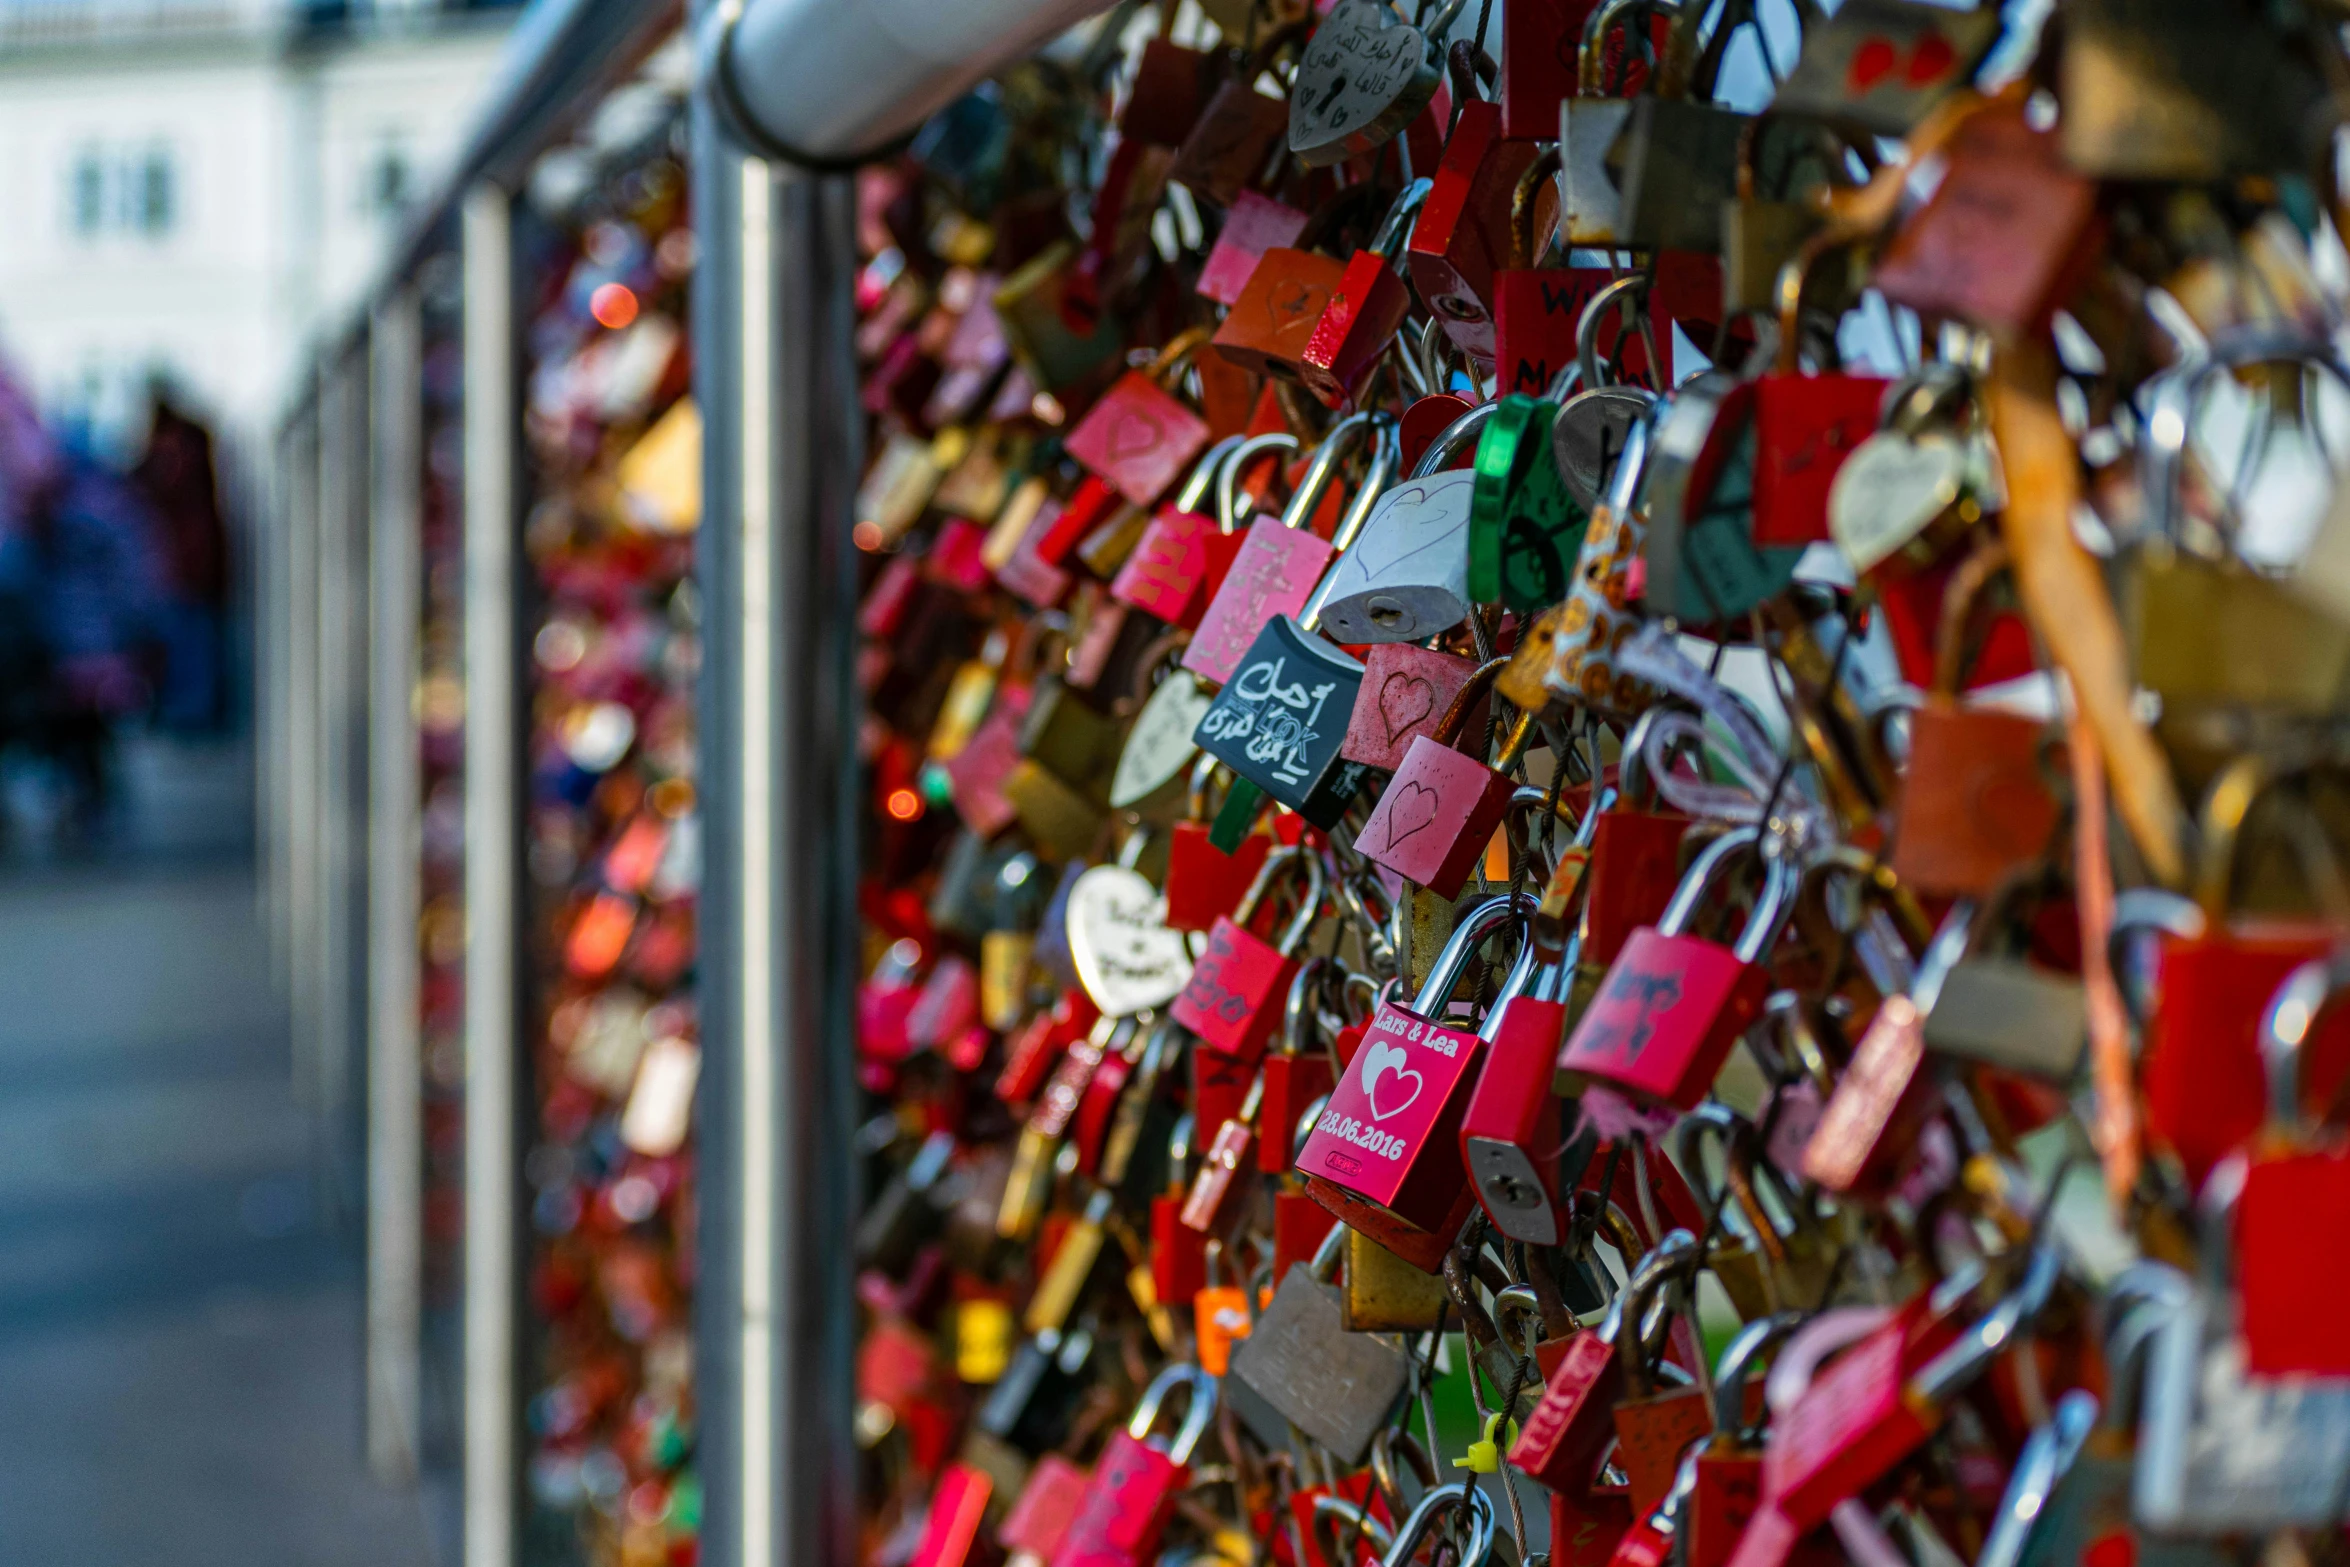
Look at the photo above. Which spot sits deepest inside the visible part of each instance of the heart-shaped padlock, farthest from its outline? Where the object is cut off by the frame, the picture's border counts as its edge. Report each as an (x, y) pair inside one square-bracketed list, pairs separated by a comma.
[(1159, 745), (1125, 956), (1364, 76)]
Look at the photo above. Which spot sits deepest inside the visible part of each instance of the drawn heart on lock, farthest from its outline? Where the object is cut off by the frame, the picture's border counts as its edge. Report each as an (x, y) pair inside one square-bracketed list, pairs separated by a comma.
[(1293, 298), (1412, 520), (1411, 807), (1930, 59), (1134, 435), (1382, 1063), (1125, 956), (1363, 77), (1404, 700)]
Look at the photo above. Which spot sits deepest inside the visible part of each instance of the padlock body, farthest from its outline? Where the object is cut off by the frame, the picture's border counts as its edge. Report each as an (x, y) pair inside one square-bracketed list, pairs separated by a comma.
[(1562, 1441), (1635, 865), (1651, 1435), (1179, 1254), (1268, 327), (953, 1535), (1272, 574), (1138, 437), (1390, 1135), (1233, 999), (1337, 1387), (1435, 817), (1584, 1530), (1041, 1516), (1216, 1189), (1853, 1423), (1281, 719), (1126, 1506), (1664, 1019), (1204, 884), (1406, 578), (1165, 575), (1462, 237), (1975, 801), (1878, 1103), (1510, 1133), (1405, 690), (2290, 1269), (1365, 309), (1291, 1084), (1300, 1225), (1805, 426)]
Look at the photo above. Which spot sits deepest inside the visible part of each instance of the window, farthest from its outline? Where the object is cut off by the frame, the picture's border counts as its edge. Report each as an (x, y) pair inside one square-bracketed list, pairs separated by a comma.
[(86, 193), (157, 198)]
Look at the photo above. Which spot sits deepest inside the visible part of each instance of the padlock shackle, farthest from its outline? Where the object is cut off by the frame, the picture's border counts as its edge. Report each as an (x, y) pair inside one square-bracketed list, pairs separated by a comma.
[(1347, 434), (1455, 438), (2049, 1454), (1228, 496), (1482, 922), (1967, 584), (1197, 1412), (1522, 199), (1309, 908), (1672, 1260), (1305, 1124), (1736, 1368), (1716, 1122), (1297, 1008), (2138, 912), (1516, 1304), (1334, 1516), (1587, 327), (1327, 1253), (1200, 483), (1962, 1362), (1770, 906), (1395, 229), (1623, 481), (1591, 54), (2227, 805), (1395, 1442), (1443, 1501), (2307, 996), (1167, 366)]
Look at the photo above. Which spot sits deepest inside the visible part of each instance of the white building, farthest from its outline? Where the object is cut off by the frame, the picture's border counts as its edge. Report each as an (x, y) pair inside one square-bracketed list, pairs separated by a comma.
[(196, 186)]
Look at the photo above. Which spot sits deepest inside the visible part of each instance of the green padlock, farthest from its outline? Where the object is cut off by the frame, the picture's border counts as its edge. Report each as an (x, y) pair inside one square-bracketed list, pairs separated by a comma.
[(1525, 529)]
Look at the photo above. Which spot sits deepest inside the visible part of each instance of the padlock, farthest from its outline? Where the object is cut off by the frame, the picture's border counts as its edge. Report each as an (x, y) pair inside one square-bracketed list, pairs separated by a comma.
[(1771, 1266), (1135, 1483), (2220, 1450), (1672, 1005), (1525, 530), (1405, 691), (1590, 122), (1028, 304), (1512, 1131), (1040, 1138), (1656, 1424), (2204, 1084), (1138, 435), (2002, 1010), (1329, 1522), (1033, 1402), (1074, 1263), (1728, 1480), (1125, 956), (1389, 1141), (1439, 811), (1237, 982), (1885, 64), (1166, 573), (2296, 1186), (1366, 309), (1204, 884), (2180, 92), (910, 1209), (952, 1535), (1178, 1253), (2005, 237), (1562, 1442), (1805, 426), (1704, 562), (1680, 167), (1635, 855), (1268, 327), (1296, 1074), (1975, 799), (1364, 76), (1597, 621), (1337, 1387), (1462, 240), (1272, 573), (1404, 577), (1032, 1529), (1217, 1189), (1279, 722), (1238, 131)]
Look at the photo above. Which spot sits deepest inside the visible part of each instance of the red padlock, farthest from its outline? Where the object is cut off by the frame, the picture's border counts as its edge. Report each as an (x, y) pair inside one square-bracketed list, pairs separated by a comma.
[(1805, 426), (1365, 311), (1511, 1136), (1232, 1000), (1138, 1478), (1268, 327), (2295, 1189), (1635, 856), (1405, 691), (1253, 224), (1214, 1198), (1438, 812), (1563, 1440), (1296, 1074), (1389, 1140), (1138, 437), (951, 1535), (1672, 1004), (1463, 237), (1037, 1521)]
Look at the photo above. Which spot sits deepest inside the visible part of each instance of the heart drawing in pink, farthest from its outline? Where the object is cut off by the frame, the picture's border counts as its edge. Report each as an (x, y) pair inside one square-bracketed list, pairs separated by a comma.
[(1411, 806), (1404, 700), (1387, 1063), (1135, 434)]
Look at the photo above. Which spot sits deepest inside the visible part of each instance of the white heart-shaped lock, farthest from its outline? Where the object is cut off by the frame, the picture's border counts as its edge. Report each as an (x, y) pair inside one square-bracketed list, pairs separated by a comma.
[(1125, 956), (1159, 746), (1889, 490)]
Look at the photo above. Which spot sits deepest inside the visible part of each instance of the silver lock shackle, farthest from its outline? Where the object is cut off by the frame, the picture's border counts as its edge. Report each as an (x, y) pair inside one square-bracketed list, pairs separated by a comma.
[(2049, 1453), (1307, 912), (2291, 1017), (1196, 1413), (1771, 906), (1482, 921), (1444, 1500), (1453, 439), (1228, 476), (1202, 479), (1736, 1367)]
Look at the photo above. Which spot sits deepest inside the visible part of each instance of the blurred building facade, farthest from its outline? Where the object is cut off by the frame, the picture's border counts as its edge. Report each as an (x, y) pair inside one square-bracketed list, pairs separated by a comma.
[(197, 186)]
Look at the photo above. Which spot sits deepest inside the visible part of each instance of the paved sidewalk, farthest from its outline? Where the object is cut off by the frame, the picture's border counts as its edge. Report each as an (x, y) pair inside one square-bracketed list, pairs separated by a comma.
[(179, 1339)]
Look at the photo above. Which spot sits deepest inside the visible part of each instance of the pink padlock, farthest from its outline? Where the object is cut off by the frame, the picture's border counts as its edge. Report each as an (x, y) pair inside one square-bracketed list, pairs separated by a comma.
[(1136, 1481)]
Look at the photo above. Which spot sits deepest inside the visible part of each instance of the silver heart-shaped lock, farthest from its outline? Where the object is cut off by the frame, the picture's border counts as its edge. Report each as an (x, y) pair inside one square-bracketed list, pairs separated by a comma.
[(1364, 76), (1405, 576), (1125, 956), (1159, 745)]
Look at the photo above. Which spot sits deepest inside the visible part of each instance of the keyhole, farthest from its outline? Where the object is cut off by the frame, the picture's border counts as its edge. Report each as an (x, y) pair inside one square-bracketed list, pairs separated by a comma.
[(1331, 96)]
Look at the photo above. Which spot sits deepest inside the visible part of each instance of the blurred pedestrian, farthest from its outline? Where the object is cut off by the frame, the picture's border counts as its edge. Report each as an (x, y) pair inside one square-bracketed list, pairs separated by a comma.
[(182, 493)]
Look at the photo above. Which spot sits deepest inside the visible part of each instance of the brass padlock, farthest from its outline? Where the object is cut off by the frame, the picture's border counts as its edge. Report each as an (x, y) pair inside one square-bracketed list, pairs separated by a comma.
[(1382, 1293)]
